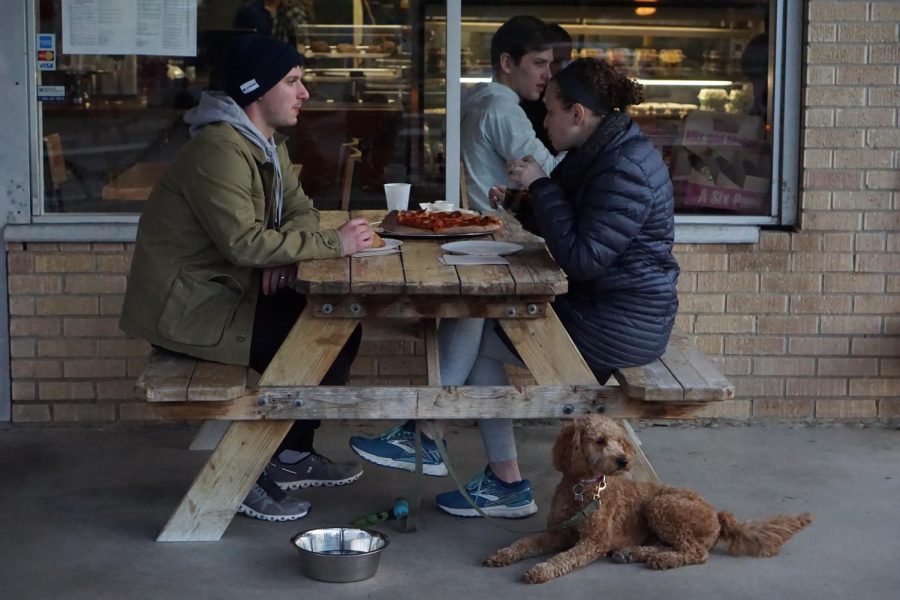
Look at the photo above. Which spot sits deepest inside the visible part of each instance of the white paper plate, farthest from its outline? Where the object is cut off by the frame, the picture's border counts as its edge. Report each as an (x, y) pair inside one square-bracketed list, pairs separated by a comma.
[(481, 248), (390, 245)]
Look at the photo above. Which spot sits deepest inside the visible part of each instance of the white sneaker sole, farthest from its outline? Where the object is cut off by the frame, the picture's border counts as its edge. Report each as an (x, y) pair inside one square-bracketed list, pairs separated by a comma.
[(305, 483), (433, 470), (501, 512), (246, 510)]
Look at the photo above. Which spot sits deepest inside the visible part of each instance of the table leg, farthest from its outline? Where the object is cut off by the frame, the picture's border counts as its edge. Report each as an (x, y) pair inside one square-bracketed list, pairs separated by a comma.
[(215, 495), (553, 359)]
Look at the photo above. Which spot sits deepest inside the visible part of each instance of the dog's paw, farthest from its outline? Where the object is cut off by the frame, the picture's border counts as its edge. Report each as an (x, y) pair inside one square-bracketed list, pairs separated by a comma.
[(500, 558), (622, 557), (539, 573)]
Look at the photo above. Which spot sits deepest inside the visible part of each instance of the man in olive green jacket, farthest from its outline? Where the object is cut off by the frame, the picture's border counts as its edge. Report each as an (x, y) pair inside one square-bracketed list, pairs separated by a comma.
[(218, 243)]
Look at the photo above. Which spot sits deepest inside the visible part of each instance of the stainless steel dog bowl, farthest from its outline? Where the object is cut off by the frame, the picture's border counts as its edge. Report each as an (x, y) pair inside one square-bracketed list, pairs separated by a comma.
[(340, 554)]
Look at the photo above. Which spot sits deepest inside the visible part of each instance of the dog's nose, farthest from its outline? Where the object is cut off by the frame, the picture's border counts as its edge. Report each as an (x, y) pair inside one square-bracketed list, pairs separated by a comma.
[(622, 462)]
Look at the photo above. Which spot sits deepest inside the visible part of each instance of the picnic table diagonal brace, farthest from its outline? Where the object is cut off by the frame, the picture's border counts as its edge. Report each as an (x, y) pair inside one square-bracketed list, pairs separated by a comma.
[(216, 493)]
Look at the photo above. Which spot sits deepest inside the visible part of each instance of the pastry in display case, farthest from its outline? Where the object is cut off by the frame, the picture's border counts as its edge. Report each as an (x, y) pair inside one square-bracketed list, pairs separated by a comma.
[(356, 64)]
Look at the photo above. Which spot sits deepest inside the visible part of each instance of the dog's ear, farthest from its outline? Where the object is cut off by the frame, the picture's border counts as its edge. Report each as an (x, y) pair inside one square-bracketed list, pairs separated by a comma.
[(567, 447)]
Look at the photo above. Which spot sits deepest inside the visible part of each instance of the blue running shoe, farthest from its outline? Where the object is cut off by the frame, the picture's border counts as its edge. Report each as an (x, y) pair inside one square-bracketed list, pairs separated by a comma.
[(496, 498), (397, 449)]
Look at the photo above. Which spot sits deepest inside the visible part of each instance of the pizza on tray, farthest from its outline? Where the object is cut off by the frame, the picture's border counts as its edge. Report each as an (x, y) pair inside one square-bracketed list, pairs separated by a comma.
[(441, 223)]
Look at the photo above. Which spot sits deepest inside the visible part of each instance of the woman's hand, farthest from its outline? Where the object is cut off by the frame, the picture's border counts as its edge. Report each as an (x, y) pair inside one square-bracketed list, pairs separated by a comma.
[(275, 279), (356, 235), (524, 171), (496, 195)]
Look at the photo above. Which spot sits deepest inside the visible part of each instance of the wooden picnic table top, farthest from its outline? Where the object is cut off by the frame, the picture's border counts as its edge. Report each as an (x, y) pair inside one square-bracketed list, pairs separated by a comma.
[(416, 270)]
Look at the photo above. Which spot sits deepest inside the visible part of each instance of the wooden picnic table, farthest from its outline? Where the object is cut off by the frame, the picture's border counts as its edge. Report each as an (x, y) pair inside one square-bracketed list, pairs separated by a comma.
[(409, 284)]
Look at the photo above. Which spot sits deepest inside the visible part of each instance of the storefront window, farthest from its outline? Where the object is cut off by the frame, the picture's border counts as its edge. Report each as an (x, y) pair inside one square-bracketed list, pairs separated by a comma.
[(705, 67), (377, 71), (111, 123)]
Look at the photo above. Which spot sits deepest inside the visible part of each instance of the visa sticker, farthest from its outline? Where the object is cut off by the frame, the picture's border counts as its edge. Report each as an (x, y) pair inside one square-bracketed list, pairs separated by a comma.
[(46, 51)]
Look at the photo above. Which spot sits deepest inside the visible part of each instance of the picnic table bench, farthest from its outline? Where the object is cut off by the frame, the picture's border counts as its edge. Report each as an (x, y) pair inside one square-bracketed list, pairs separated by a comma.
[(408, 285)]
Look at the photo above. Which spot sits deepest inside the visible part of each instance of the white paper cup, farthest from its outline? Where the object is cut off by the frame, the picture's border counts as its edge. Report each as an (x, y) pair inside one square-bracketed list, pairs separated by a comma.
[(397, 195)]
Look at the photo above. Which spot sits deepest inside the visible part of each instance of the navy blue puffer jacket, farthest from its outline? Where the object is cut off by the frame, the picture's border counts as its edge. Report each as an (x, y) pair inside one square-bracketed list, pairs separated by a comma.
[(607, 214)]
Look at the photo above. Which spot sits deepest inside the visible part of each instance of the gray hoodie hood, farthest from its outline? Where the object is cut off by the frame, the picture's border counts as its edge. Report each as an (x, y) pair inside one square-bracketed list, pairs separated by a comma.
[(218, 107)]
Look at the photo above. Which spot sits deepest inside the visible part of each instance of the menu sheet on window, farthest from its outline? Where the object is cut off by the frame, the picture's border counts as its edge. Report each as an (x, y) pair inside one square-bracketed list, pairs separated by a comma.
[(158, 27)]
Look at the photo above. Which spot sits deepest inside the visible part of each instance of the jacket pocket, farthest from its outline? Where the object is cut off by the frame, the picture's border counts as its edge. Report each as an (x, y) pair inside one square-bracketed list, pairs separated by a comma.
[(199, 307)]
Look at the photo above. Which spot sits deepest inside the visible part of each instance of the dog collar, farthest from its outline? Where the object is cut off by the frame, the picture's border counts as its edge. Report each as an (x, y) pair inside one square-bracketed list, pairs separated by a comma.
[(579, 488)]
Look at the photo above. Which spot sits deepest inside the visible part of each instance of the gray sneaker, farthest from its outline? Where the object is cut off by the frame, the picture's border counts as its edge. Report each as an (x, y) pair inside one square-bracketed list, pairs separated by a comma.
[(314, 470), (260, 505)]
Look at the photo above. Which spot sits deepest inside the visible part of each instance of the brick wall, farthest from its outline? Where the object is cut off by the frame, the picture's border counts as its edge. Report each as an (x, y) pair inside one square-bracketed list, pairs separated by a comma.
[(806, 323)]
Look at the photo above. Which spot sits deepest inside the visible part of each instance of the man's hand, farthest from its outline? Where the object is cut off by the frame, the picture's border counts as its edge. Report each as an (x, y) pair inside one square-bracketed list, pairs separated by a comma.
[(275, 279), (524, 171), (356, 235), (496, 195)]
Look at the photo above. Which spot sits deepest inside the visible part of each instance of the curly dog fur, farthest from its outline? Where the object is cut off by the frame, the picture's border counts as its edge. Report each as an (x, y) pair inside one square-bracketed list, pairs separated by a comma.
[(662, 526)]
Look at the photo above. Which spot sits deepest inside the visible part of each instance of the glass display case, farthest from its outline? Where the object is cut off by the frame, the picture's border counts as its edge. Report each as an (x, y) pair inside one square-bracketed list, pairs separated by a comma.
[(705, 71)]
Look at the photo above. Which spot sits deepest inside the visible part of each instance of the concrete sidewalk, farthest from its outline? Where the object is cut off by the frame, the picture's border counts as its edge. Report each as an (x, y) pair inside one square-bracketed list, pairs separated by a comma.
[(80, 509)]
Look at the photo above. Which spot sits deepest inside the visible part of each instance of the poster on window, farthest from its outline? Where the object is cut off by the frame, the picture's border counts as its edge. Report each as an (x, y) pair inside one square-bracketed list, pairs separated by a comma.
[(149, 27)]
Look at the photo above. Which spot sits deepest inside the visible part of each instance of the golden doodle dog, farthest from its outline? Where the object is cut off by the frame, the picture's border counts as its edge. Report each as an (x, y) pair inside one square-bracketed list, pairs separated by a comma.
[(662, 526)]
